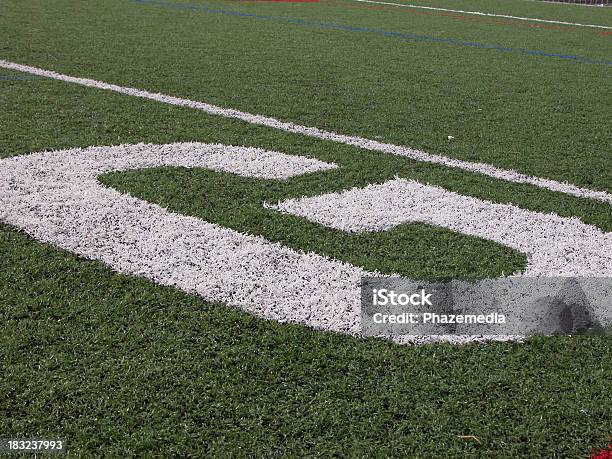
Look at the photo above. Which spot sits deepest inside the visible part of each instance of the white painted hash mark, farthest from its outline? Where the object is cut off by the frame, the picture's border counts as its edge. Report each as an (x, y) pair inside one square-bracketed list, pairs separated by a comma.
[(367, 144), (556, 246), (479, 13)]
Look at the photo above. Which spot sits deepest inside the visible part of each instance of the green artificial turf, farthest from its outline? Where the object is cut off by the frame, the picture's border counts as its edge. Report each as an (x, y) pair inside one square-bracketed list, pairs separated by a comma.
[(234, 202), (543, 116), (121, 367)]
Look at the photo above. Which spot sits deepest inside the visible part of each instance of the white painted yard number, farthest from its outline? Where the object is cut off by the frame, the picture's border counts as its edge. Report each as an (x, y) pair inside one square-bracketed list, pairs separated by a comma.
[(56, 198)]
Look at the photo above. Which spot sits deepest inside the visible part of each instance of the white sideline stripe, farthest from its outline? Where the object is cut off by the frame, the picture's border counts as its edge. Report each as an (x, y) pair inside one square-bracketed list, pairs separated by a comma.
[(361, 142), (478, 13)]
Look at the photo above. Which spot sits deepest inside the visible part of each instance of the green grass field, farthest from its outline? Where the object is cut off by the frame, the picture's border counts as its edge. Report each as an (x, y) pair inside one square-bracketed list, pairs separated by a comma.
[(122, 367)]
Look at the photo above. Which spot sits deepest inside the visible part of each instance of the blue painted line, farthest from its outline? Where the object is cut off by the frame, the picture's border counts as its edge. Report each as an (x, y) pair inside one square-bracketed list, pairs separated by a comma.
[(402, 35)]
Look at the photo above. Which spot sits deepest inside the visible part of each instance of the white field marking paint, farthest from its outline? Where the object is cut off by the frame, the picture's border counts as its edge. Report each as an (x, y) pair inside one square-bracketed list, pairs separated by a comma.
[(479, 13), (56, 198), (555, 246), (417, 155)]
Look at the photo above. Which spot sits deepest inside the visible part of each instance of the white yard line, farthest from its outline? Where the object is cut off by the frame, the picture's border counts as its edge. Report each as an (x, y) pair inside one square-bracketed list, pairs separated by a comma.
[(479, 13), (361, 142)]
